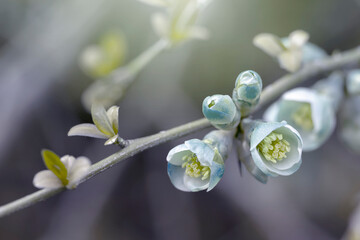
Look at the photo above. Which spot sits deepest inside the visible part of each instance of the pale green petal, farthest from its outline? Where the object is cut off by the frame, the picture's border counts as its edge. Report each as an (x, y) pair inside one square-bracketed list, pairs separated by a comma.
[(101, 120), (46, 179), (87, 130), (290, 60), (269, 43), (111, 140), (113, 115), (176, 154)]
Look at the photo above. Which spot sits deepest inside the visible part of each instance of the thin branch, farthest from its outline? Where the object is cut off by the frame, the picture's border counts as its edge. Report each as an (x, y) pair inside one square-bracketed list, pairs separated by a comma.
[(141, 144)]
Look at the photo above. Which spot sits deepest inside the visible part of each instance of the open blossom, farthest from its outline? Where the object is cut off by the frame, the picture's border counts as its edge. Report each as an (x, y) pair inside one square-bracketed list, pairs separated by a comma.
[(309, 112), (291, 52), (177, 24), (275, 147), (66, 171), (221, 111), (198, 165), (105, 125)]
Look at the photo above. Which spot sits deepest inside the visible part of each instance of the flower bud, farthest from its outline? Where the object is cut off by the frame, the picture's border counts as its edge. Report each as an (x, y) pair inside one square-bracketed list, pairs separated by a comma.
[(221, 111), (246, 93)]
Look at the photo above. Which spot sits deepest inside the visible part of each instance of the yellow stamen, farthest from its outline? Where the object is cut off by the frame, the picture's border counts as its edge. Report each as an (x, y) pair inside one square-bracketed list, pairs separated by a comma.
[(194, 168), (274, 147), (302, 117)]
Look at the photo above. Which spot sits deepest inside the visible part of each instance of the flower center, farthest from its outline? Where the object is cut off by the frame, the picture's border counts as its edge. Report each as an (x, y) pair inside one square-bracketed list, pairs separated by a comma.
[(194, 168), (302, 117), (273, 147)]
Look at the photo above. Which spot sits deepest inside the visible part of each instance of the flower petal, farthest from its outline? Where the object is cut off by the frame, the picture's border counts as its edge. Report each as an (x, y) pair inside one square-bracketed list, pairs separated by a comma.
[(46, 179), (204, 152), (87, 130), (113, 115), (217, 171), (195, 184), (290, 60), (176, 154), (176, 175), (101, 120), (111, 140), (269, 43), (298, 38), (262, 130), (78, 170)]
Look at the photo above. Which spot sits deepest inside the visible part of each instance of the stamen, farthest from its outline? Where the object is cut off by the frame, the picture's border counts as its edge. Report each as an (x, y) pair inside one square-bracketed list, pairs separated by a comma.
[(302, 117), (273, 147), (194, 168)]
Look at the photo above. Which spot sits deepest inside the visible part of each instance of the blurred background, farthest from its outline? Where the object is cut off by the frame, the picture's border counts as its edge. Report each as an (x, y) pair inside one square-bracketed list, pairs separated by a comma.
[(40, 100)]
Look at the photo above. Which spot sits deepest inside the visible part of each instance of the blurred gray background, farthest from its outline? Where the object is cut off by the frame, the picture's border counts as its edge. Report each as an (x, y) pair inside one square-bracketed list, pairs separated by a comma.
[(40, 89)]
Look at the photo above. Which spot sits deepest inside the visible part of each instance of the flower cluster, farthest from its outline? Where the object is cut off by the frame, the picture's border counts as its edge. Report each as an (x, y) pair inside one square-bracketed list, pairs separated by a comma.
[(267, 148), (225, 112)]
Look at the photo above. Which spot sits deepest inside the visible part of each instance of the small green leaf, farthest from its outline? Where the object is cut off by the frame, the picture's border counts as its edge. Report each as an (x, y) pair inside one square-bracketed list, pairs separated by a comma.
[(101, 119), (54, 164)]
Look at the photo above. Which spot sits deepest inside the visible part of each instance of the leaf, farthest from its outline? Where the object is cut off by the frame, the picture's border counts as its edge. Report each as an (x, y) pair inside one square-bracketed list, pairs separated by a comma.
[(101, 119), (54, 164)]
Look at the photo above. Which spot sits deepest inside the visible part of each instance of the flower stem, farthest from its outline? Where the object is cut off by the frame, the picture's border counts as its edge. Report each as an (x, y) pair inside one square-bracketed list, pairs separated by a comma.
[(141, 144)]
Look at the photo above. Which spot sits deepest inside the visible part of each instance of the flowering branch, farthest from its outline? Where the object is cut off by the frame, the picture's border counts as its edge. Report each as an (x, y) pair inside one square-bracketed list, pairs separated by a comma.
[(138, 145)]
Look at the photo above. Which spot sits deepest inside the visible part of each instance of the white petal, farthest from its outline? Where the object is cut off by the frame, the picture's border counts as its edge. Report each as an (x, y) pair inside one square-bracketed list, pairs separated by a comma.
[(113, 115), (111, 140), (298, 38), (160, 24), (78, 170), (290, 60), (46, 179), (199, 33), (195, 184), (101, 119), (68, 161), (269, 43), (87, 130)]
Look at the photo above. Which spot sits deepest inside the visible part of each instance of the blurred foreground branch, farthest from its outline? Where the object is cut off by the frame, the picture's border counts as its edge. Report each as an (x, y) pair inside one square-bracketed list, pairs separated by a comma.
[(138, 145)]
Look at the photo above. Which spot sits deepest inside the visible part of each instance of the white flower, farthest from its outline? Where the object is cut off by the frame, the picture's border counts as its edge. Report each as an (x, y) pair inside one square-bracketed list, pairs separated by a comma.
[(275, 147), (308, 111), (177, 24), (105, 124), (292, 51), (65, 171)]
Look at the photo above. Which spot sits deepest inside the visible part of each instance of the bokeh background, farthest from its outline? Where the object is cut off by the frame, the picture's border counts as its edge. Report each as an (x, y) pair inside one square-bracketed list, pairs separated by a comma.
[(40, 100)]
